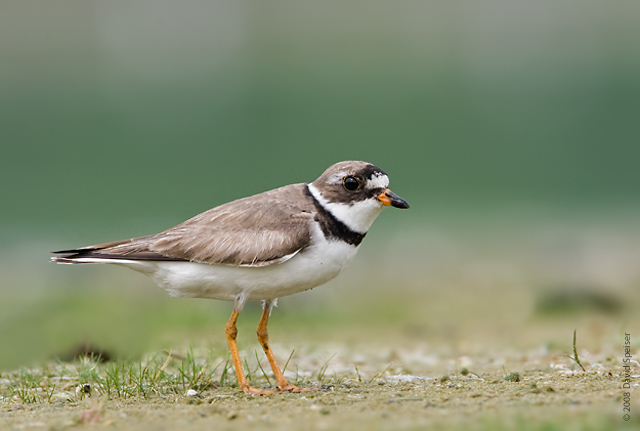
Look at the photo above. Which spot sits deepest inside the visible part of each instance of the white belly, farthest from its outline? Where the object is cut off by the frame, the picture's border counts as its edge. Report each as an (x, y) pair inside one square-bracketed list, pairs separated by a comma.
[(311, 267)]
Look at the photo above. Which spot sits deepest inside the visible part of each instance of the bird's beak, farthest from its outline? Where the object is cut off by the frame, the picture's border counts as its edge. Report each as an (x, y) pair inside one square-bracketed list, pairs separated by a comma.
[(390, 199)]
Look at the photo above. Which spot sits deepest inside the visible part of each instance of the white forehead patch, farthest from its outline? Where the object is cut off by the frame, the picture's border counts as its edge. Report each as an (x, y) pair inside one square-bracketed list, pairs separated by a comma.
[(377, 181)]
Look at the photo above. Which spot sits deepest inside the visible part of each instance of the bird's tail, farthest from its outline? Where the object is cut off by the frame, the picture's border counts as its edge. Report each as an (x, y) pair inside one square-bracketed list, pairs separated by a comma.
[(110, 252)]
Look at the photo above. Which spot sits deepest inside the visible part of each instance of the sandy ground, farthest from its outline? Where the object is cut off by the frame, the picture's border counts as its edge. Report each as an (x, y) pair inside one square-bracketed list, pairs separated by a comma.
[(549, 391)]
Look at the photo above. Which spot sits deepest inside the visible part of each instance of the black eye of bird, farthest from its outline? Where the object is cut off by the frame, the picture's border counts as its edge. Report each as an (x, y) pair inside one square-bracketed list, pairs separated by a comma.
[(350, 183)]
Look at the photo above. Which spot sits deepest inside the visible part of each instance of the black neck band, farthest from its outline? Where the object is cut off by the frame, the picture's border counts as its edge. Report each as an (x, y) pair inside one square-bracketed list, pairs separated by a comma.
[(332, 227)]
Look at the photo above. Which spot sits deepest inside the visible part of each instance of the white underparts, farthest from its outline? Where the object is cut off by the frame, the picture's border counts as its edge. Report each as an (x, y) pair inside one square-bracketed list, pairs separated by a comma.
[(311, 267)]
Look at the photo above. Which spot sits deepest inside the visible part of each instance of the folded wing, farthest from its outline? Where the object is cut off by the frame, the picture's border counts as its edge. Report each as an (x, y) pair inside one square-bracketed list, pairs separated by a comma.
[(267, 228)]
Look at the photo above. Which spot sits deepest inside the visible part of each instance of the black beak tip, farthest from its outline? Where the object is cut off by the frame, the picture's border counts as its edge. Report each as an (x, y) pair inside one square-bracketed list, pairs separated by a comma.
[(401, 203), (396, 201)]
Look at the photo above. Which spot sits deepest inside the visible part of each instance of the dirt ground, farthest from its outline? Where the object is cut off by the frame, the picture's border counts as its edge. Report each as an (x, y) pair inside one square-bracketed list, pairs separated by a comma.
[(533, 391), (381, 406)]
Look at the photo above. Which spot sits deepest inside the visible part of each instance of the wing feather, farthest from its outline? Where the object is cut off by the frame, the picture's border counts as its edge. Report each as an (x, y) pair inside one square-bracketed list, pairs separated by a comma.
[(261, 230)]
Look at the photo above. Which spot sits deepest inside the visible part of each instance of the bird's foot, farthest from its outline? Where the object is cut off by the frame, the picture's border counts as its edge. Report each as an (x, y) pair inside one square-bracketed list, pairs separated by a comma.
[(292, 388), (255, 391)]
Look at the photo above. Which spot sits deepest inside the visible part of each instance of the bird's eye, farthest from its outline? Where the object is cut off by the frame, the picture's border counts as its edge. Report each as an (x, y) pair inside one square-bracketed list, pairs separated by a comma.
[(350, 183)]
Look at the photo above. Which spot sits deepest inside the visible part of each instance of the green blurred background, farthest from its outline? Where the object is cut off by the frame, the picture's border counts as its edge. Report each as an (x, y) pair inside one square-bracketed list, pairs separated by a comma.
[(511, 127)]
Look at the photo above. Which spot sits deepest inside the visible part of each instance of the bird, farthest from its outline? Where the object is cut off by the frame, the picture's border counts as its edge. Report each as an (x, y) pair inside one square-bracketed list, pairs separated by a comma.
[(259, 248)]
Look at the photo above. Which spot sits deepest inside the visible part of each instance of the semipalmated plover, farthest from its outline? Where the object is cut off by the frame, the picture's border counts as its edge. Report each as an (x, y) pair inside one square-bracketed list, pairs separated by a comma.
[(262, 247)]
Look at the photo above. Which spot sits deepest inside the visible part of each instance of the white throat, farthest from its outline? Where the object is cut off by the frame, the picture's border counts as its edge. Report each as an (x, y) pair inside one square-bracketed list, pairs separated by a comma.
[(357, 216)]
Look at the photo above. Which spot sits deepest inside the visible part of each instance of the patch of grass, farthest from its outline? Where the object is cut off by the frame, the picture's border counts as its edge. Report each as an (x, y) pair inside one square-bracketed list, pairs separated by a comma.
[(512, 377), (286, 364), (379, 375), (157, 375), (575, 357), (224, 375), (321, 374), (197, 374), (262, 369)]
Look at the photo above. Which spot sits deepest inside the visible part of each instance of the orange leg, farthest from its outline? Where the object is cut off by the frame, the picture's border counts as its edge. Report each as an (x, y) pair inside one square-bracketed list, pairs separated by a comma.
[(232, 333), (263, 338)]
